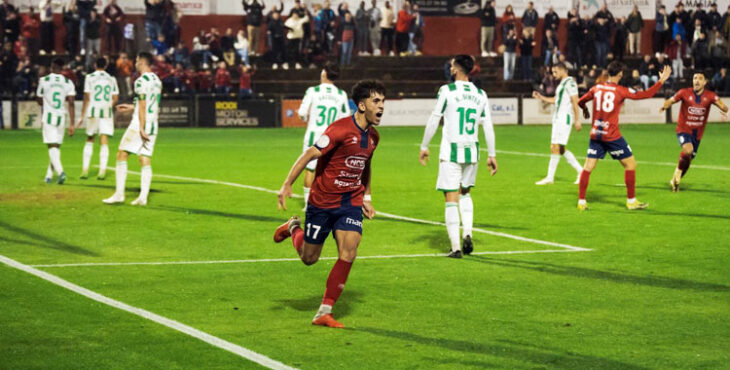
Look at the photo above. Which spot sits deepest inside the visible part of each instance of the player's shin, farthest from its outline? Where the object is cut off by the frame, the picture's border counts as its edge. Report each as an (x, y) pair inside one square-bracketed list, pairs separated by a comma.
[(583, 186), (553, 166), (466, 209), (103, 159), (452, 224), (336, 282), (572, 161), (145, 181), (630, 180), (684, 161), (55, 156), (49, 172), (297, 239), (121, 174), (88, 152)]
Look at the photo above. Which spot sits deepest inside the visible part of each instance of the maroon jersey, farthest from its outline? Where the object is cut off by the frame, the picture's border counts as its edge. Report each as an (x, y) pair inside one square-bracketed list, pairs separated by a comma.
[(346, 153), (694, 110)]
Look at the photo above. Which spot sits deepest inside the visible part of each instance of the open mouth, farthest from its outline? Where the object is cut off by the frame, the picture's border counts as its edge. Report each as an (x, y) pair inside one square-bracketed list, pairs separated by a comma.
[(379, 114)]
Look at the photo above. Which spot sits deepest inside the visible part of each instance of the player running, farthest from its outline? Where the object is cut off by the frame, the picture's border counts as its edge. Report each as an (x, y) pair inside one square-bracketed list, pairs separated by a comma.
[(607, 99), (340, 192), (696, 104), (141, 134), (464, 107), (565, 115), (53, 91), (100, 94), (322, 105)]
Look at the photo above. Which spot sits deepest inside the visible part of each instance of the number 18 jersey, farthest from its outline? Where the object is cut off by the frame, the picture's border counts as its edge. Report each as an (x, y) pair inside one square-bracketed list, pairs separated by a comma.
[(101, 87), (463, 106), (323, 104)]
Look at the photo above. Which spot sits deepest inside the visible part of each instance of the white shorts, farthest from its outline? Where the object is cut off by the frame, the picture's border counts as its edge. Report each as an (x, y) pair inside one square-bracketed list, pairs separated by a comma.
[(312, 165), (101, 126), (132, 143), (53, 131), (453, 176), (561, 132)]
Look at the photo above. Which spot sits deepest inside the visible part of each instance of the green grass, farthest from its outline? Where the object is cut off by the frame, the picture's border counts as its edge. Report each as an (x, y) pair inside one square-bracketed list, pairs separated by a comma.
[(654, 292)]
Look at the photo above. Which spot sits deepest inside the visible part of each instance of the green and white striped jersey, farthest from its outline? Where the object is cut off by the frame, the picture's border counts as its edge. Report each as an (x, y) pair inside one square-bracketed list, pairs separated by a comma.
[(323, 104), (54, 89), (463, 107), (563, 114), (147, 87), (101, 87)]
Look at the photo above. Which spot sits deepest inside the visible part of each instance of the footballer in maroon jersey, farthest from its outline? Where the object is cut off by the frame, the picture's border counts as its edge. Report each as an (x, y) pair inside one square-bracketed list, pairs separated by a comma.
[(340, 193), (696, 104), (607, 99)]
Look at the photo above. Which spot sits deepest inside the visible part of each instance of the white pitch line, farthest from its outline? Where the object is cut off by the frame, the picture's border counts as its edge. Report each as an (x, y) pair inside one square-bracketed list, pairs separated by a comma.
[(172, 324), (216, 262)]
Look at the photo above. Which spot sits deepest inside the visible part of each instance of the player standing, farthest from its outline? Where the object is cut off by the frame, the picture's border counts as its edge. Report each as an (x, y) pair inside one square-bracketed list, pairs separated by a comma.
[(53, 90), (322, 105), (340, 192), (692, 120), (141, 134), (608, 97), (464, 107), (100, 94), (565, 115)]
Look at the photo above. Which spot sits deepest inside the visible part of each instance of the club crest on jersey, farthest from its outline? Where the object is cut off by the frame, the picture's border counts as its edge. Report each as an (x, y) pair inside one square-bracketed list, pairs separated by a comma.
[(354, 139), (355, 162)]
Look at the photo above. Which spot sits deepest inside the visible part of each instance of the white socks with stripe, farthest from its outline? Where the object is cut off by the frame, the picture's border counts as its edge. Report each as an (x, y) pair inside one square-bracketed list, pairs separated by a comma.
[(466, 208), (88, 152), (572, 161), (306, 196), (146, 180), (452, 224), (554, 160), (103, 158), (55, 155), (121, 178)]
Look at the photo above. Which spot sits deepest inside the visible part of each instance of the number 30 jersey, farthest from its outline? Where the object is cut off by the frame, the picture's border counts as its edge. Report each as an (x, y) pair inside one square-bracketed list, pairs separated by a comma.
[(463, 107), (101, 87), (323, 104), (147, 87), (608, 98)]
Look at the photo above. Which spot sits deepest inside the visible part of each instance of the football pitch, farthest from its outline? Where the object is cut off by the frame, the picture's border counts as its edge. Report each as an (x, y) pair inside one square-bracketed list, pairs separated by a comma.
[(193, 280)]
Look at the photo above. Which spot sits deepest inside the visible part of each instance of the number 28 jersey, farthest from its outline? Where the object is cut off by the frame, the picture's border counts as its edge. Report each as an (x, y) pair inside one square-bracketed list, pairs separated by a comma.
[(101, 87), (323, 104), (608, 99), (147, 87)]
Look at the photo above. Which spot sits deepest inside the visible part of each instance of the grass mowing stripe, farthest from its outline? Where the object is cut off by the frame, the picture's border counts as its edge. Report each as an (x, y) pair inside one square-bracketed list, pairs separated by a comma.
[(172, 324)]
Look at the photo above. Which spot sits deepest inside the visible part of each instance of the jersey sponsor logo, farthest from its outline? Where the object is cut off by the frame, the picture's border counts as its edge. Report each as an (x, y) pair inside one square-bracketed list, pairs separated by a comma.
[(592, 151), (323, 141), (350, 221), (354, 139), (617, 152), (349, 175), (227, 105), (345, 184), (698, 111), (355, 162)]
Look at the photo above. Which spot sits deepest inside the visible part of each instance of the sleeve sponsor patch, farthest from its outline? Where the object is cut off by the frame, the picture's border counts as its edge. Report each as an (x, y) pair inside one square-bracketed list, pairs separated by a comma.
[(323, 141)]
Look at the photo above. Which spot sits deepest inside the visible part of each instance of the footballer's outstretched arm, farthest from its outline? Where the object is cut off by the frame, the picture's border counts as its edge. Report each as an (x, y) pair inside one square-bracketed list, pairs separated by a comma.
[(296, 169), (546, 99), (667, 104), (721, 105), (638, 95)]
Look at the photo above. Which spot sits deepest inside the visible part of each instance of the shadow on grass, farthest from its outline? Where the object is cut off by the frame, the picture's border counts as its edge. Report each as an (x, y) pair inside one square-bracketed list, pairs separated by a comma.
[(43, 241), (207, 212), (539, 356), (683, 187), (616, 277), (436, 240), (341, 309)]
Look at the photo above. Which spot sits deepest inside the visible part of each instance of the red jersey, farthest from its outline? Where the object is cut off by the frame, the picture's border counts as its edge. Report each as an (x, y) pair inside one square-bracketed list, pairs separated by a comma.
[(694, 110), (205, 80), (346, 153), (222, 77), (608, 98)]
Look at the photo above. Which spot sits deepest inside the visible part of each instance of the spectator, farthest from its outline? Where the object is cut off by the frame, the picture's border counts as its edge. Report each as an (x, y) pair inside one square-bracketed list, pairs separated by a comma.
[(254, 19), (700, 52), (573, 13), (269, 17), (11, 26), (159, 45), (508, 20), (113, 17), (619, 39), (603, 39), (563, 59), (375, 16), (23, 76), (549, 83), (697, 31), (244, 82), (342, 9), (575, 35), (189, 80), (71, 22), (8, 65), (416, 35), (241, 46), (181, 55), (648, 72), (718, 50), (714, 19), (678, 29), (549, 44), (402, 28), (171, 22), (84, 7), (527, 44), (93, 38), (229, 51), (295, 24), (166, 73), (303, 12), (315, 52), (326, 16), (124, 74), (662, 32), (589, 79), (588, 40), (205, 80), (676, 51), (529, 19), (48, 36), (222, 79), (362, 26), (275, 29), (347, 37), (489, 20), (552, 20), (154, 15), (130, 46), (721, 82), (386, 27), (679, 14), (634, 24), (31, 30), (201, 51), (509, 44), (605, 14), (634, 81), (701, 16), (726, 24)]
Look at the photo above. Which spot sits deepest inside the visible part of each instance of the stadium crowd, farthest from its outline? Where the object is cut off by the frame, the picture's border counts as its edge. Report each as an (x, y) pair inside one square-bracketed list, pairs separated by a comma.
[(219, 62)]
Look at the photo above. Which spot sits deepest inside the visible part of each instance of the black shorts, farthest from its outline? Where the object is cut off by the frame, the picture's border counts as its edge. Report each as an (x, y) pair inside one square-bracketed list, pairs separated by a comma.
[(685, 138), (319, 222), (618, 149)]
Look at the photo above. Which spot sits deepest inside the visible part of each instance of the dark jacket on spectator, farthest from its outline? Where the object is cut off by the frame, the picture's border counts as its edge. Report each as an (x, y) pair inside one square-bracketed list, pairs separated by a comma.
[(548, 44), (526, 46), (634, 23), (648, 69), (529, 18), (276, 28), (714, 19), (255, 13), (154, 13), (93, 29), (552, 21), (85, 7), (488, 16), (510, 44)]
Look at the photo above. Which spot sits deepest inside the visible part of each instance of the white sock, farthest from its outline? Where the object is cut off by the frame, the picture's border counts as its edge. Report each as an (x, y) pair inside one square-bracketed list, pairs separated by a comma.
[(55, 155), (49, 171), (630, 200), (324, 309), (88, 152), (146, 179), (121, 177), (572, 161), (306, 196), (554, 160), (466, 208), (452, 225), (103, 158)]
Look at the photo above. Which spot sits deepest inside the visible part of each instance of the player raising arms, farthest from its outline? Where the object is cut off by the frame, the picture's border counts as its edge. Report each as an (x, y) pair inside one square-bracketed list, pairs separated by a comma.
[(696, 104), (56, 95), (340, 192), (100, 94), (322, 105), (565, 115), (608, 98), (141, 134), (464, 107)]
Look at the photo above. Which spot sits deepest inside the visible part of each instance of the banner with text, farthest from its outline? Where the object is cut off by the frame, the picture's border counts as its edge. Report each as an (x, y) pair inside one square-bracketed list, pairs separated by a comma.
[(535, 112), (519, 6), (620, 8), (448, 7), (416, 112)]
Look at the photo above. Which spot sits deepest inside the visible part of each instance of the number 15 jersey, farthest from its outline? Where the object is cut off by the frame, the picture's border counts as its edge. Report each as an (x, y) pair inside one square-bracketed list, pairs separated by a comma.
[(463, 107), (323, 104), (608, 98)]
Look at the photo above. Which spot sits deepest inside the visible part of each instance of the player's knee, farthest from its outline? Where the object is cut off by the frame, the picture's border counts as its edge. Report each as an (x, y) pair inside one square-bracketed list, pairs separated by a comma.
[(687, 150), (309, 259)]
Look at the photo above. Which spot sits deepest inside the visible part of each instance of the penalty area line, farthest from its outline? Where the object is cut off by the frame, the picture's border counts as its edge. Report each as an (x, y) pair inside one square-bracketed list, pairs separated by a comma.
[(172, 324)]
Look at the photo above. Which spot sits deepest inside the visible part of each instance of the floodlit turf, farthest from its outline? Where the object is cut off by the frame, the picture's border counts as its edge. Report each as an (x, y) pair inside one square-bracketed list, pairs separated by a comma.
[(654, 292)]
